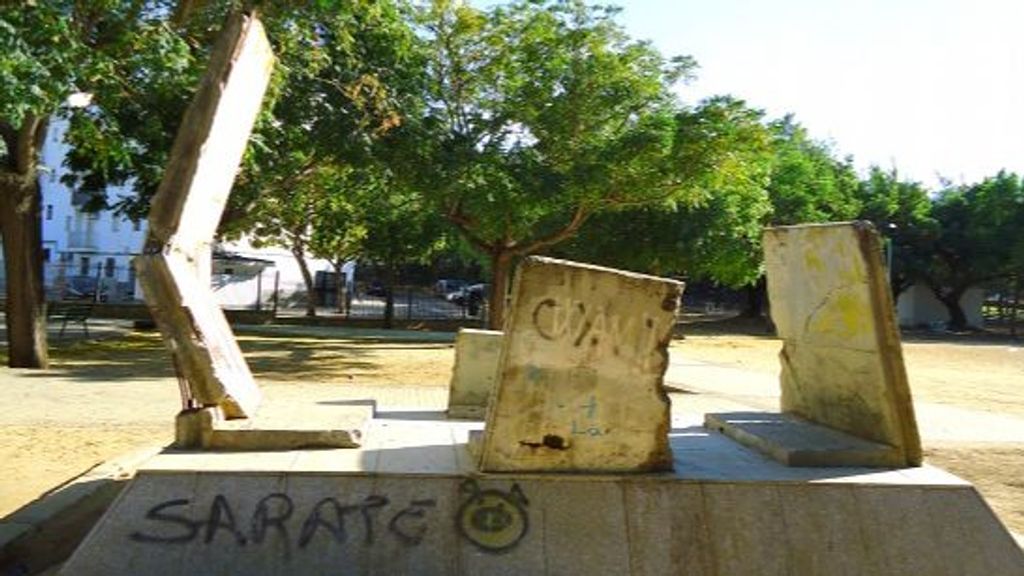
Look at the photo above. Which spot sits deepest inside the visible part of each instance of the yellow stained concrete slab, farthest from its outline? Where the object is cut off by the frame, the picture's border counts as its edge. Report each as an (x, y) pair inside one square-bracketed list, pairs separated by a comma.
[(580, 373), (842, 364), (473, 375)]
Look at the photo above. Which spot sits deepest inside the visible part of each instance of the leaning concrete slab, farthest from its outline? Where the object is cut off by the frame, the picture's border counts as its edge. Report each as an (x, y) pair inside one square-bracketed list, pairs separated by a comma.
[(414, 504), (193, 325), (842, 365), (580, 373), (174, 270), (473, 376)]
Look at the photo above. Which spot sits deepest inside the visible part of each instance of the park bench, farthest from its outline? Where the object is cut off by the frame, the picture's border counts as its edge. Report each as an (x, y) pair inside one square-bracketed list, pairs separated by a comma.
[(70, 311)]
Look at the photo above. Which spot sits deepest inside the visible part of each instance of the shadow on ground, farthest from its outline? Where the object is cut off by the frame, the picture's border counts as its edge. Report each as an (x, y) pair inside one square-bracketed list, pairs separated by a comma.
[(140, 355)]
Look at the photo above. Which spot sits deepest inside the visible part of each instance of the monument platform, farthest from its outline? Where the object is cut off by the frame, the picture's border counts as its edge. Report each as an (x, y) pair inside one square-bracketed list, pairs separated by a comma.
[(411, 502)]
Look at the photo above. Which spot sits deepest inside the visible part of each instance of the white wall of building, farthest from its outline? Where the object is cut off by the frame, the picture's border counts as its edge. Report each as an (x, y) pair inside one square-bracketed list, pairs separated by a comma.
[(918, 306), (77, 243)]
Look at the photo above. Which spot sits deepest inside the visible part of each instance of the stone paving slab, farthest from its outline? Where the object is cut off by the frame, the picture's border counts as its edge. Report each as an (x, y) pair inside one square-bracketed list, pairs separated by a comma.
[(796, 442), (294, 425)]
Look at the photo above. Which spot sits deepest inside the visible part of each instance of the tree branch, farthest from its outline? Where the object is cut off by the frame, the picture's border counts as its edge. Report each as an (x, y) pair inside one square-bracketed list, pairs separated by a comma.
[(464, 223), (578, 218)]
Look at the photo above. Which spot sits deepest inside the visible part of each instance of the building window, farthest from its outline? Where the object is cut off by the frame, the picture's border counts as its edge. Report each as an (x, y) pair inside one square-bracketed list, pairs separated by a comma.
[(83, 266), (108, 268), (46, 254), (136, 225), (49, 211)]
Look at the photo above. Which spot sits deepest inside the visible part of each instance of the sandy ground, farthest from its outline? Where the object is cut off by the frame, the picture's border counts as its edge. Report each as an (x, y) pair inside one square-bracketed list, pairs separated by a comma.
[(104, 398)]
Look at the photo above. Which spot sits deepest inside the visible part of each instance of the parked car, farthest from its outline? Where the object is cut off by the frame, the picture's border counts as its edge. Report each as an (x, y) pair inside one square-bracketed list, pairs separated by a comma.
[(445, 287), (469, 295), (376, 289)]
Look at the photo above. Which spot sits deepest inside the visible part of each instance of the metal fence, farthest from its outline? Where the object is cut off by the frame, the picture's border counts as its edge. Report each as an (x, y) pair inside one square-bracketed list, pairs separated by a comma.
[(410, 303)]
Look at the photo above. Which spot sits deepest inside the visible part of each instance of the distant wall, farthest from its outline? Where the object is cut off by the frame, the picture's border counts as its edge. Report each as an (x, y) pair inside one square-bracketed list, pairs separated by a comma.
[(918, 306)]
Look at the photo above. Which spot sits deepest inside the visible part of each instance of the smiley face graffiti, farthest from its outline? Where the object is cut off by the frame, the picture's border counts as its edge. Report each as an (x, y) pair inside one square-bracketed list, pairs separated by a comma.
[(494, 521)]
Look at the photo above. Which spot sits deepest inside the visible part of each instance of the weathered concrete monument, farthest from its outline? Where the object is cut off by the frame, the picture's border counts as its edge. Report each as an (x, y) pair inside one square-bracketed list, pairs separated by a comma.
[(476, 364), (174, 268), (580, 374), (577, 390), (842, 366)]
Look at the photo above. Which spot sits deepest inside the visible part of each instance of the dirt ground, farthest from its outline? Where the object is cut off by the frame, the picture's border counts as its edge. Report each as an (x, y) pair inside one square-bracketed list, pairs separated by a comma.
[(98, 386)]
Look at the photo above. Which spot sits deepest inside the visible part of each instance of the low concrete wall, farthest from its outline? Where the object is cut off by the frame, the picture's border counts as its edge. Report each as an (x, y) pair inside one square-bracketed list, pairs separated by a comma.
[(171, 523)]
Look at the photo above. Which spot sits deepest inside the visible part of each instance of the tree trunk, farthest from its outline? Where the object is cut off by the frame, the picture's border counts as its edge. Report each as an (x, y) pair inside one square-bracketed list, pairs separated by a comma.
[(23, 260), (951, 300), (300, 257), (1015, 305), (389, 298), (757, 293), (501, 273), (21, 230), (340, 287)]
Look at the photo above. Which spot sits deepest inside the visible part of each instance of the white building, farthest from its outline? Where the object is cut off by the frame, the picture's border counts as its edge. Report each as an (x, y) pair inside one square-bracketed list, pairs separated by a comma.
[(81, 249), (85, 250)]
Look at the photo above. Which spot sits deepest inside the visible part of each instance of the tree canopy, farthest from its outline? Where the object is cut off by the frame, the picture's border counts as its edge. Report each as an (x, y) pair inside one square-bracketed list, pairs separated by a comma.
[(537, 126)]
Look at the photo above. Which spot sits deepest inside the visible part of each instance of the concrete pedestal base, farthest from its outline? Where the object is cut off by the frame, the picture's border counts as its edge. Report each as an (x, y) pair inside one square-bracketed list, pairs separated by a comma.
[(410, 502), (276, 426)]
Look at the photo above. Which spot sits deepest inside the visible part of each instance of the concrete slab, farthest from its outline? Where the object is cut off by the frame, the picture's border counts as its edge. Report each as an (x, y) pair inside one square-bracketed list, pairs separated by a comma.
[(796, 442), (473, 376), (281, 424), (580, 374), (186, 210), (842, 365), (397, 510)]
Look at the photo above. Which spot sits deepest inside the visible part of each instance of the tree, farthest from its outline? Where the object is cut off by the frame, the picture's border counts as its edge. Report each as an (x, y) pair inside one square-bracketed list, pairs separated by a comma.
[(339, 66), (48, 51), (725, 150), (539, 115), (401, 228), (329, 98), (807, 184), (974, 240), (901, 212)]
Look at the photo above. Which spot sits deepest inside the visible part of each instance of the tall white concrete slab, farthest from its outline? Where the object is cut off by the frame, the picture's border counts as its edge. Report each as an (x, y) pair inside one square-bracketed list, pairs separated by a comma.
[(174, 269)]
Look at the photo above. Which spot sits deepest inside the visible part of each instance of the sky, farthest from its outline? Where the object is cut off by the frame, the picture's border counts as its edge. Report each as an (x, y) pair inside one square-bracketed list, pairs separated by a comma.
[(934, 88)]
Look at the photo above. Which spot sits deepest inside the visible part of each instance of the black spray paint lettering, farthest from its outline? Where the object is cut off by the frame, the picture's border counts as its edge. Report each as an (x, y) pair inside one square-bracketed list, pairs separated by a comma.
[(408, 524), (556, 319), (272, 515)]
